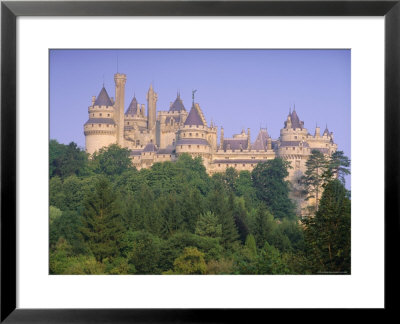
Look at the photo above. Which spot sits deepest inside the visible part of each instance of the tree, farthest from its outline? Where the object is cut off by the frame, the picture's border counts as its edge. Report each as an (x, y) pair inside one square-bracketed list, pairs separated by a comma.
[(66, 160), (142, 250), (264, 226), (272, 188), (270, 261), (102, 222), (207, 225), (111, 160), (315, 176), (190, 262), (327, 235), (337, 166), (251, 245), (223, 209)]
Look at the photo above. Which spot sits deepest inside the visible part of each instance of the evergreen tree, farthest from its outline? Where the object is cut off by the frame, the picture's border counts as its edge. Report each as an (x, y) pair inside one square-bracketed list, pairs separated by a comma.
[(327, 235), (315, 176), (264, 226), (337, 167), (272, 188), (207, 225), (102, 222)]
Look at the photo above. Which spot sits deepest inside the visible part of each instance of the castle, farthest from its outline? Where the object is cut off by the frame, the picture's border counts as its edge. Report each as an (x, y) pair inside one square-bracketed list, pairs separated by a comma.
[(164, 135)]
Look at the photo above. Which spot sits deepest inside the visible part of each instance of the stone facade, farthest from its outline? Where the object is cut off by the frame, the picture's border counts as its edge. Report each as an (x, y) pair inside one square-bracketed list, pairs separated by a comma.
[(164, 135)]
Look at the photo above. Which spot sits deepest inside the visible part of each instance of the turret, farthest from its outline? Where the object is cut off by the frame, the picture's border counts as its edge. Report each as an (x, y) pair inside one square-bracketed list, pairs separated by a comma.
[(100, 129), (317, 131), (269, 144), (248, 138), (120, 80), (152, 98)]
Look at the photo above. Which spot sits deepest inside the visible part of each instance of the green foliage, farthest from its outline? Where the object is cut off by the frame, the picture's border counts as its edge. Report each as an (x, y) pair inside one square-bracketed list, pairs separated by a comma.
[(207, 225), (54, 213), (66, 160), (142, 250), (190, 262), (271, 261), (111, 160), (272, 188), (251, 245), (327, 235), (337, 167), (264, 226), (102, 227), (314, 177), (106, 217)]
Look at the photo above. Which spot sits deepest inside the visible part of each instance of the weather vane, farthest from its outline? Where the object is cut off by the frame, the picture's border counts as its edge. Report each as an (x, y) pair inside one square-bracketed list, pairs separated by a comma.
[(193, 92)]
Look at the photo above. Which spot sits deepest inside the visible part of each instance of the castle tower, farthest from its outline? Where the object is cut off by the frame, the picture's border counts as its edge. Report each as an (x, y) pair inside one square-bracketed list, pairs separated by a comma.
[(100, 130), (317, 131), (151, 108), (120, 80), (248, 138)]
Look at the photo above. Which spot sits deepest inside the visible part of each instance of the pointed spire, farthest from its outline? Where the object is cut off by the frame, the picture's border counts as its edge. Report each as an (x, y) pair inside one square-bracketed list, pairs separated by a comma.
[(103, 99)]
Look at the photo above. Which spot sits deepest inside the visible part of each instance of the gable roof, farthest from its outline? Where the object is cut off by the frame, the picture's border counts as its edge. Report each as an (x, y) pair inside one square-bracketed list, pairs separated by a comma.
[(103, 99)]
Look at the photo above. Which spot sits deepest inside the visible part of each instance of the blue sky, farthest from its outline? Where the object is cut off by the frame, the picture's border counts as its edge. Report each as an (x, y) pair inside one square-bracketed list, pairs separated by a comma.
[(235, 88)]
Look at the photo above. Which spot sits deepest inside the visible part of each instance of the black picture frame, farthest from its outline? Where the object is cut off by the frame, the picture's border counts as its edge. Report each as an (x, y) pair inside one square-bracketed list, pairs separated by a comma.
[(10, 10)]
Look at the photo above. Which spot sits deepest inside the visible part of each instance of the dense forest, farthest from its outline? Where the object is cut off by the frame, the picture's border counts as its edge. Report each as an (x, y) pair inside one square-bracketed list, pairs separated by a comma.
[(106, 217)]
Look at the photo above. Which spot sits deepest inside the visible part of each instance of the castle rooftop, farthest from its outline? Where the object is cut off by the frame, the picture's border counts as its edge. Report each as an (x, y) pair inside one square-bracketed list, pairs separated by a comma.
[(194, 117), (132, 109), (177, 105), (103, 99)]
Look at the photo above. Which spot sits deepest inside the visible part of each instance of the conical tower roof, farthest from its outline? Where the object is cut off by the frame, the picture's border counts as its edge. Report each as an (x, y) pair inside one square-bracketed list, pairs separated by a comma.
[(103, 99), (326, 131), (132, 109), (178, 104), (195, 117)]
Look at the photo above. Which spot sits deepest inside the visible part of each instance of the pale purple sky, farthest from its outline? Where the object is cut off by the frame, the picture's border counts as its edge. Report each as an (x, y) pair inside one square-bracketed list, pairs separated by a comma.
[(235, 88)]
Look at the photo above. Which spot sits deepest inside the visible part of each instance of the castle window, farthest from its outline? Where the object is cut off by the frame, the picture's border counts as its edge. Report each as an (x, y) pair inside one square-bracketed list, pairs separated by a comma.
[(190, 134), (128, 123), (99, 125), (253, 157), (190, 146), (243, 164), (92, 125), (295, 137), (92, 115), (181, 146), (197, 134), (294, 148), (108, 125), (100, 114), (108, 115), (198, 146), (219, 165), (252, 165)]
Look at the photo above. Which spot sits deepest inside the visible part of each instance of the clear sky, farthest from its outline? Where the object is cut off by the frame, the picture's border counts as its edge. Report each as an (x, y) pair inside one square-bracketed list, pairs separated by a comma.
[(235, 88)]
